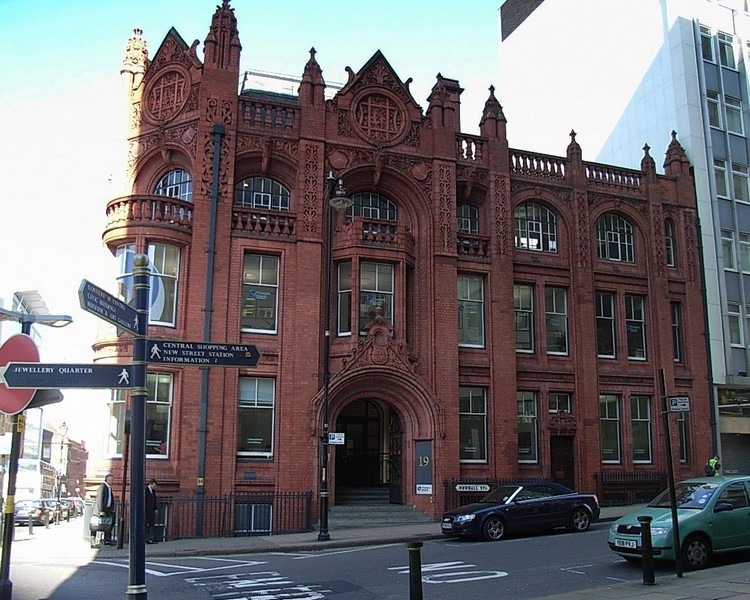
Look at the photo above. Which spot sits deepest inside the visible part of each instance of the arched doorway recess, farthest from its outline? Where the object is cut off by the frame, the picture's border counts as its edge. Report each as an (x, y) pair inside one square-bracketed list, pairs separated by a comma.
[(369, 465)]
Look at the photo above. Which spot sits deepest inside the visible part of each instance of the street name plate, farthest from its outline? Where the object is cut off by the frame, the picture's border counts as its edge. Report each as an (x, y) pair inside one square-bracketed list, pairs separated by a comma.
[(52, 376), (207, 354)]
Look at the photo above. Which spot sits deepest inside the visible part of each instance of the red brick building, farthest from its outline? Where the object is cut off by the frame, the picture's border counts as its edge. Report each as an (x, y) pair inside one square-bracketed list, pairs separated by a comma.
[(495, 313)]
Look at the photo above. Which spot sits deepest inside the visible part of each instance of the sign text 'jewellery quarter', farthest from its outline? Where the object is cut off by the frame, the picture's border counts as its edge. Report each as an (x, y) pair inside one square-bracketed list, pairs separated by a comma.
[(101, 303), (52, 376), (202, 353)]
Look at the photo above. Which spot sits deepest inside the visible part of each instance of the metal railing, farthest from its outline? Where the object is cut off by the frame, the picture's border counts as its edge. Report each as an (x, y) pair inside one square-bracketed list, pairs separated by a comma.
[(621, 488), (233, 515)]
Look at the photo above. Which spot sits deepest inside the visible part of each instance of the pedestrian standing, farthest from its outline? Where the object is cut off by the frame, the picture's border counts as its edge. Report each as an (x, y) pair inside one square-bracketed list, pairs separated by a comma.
[(151, 511), (104, 506)]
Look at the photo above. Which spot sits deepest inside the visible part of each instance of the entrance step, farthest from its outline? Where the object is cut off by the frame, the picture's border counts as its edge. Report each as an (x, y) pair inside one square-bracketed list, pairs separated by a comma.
[(358, 516), (363, 495)]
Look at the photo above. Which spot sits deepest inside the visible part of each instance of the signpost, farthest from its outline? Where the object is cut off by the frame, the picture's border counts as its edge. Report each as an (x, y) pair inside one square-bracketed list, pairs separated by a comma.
[(26, 375), (202, 354), (101, 303)]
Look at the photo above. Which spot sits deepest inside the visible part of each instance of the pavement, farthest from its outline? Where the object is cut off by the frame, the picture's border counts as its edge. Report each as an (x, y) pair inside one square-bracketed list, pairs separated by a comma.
[(716, 583)]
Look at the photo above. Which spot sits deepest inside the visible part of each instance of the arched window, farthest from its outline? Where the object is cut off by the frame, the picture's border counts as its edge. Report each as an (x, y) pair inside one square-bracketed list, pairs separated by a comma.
[(614, 238), (176, 184), (467, 218), (372, 206), (535, 227), (261, 192), (670, 241)]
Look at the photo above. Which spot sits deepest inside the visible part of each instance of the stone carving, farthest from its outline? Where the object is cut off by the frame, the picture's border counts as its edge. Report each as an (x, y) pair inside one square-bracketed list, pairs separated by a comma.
[(310, 194), (379, 119), (167, 95), (379, 348), (563, 423), (445, 202)]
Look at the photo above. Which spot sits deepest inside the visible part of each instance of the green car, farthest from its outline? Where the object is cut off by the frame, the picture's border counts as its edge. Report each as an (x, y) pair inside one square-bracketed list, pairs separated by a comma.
[(713, 515)]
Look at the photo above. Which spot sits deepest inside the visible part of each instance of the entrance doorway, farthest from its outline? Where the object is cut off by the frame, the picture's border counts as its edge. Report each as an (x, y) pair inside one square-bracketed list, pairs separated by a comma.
[(562, 463), (370, 457)]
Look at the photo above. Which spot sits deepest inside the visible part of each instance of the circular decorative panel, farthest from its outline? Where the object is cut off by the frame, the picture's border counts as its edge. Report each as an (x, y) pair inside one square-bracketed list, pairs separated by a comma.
[(167, 95), (380, 118)]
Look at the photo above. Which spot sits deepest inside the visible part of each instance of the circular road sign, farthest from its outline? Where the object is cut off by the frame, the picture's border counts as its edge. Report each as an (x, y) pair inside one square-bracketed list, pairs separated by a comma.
[(17, 348)]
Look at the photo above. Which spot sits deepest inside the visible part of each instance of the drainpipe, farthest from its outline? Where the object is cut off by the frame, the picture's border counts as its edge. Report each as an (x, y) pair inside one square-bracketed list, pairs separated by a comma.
[(218, 134)]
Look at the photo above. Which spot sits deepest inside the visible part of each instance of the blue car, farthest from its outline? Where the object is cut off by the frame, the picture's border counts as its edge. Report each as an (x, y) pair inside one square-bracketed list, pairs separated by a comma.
[(713, 514), (522, 507)]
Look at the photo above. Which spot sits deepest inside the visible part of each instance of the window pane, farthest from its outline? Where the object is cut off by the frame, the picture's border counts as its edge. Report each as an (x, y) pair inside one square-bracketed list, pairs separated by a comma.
[(609, 425), (614, 237), (556, 320), (261, 193), (164, 262), (535, 227), (376, 285), (473, 424), (527, 426), (470, 297), (523, 299), (255, 416), (260, 278), (605, 325), (640, 415), (344, 315), (175, 184), (635, 324)]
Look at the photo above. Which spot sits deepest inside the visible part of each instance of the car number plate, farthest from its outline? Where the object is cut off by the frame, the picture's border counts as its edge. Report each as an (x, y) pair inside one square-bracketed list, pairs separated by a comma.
[(625, 543)]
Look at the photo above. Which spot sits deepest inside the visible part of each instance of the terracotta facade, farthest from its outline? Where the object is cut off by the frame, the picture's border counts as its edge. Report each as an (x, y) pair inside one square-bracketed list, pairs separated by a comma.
[(396, 381)]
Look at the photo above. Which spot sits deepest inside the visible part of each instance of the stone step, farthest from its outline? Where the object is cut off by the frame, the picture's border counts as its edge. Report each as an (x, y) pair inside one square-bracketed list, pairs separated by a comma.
[(354, 516)]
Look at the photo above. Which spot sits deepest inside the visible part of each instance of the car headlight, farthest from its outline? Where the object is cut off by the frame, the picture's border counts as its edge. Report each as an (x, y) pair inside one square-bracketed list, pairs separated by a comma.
[(464, 518), (613, 528), (660, 530)]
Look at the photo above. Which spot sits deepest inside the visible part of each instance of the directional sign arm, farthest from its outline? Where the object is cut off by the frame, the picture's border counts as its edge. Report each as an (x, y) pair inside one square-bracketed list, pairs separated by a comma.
[(53, 376)]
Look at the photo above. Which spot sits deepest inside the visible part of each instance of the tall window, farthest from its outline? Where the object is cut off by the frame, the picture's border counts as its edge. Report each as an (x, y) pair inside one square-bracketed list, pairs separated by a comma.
[(744, 251), (261, 192), (733, 321), (527, 426), (556, 319), (726, 51), (470, 289), (605, 325), (372, 206), (164, 265), (260, 290), (714, 109), (707, 49), (344, 298), (674, 309), (523, 301), (614, 236), (472, 419), (560, 402), (740, 182), (158, 416), (669, 242), (376, 285), (255, 416), (467, 217), (727, 248), (635, 324), (720, 176), (535, 227), (176, 184), (683, 432), (609, 427), (640, 422), (733, 107)]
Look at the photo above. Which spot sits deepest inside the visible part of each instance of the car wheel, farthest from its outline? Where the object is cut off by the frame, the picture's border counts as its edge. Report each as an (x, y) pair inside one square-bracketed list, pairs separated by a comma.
[(493, 529), (696, 553), (580, 520)]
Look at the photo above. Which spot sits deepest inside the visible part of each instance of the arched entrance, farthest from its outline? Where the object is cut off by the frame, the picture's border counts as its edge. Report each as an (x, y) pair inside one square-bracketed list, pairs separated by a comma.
[(369, 463)]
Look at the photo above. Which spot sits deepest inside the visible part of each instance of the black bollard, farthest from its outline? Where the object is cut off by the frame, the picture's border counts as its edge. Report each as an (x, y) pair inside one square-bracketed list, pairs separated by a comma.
[(415, 570), (31, 523), (647, 553)]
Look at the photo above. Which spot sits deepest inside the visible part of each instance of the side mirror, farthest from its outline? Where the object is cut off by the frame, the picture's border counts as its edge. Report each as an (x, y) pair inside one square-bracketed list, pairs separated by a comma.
[(723, 507)]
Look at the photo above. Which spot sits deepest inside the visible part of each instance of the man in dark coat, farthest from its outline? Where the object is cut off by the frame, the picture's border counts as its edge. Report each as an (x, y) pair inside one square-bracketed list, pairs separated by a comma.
[(104, 506), (151, 511)]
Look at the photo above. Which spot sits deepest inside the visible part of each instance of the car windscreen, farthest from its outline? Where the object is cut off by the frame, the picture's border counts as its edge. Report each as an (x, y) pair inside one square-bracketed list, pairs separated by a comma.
[(501, 494), (687, 495)]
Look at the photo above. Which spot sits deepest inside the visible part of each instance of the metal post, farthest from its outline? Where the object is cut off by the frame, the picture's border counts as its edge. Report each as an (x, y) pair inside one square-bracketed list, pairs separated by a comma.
[(670, 477), (6, 585), (647, 550), (415, 570), (137, 548), (323, 534), (125, 454)]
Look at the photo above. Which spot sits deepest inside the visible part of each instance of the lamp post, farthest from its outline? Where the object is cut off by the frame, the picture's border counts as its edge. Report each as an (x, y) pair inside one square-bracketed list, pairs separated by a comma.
[(61, 472), (26, 320), (336, 200)]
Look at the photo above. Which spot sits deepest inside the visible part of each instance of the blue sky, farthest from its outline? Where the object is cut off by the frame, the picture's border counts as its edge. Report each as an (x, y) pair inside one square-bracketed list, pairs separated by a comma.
[(61, 117)]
